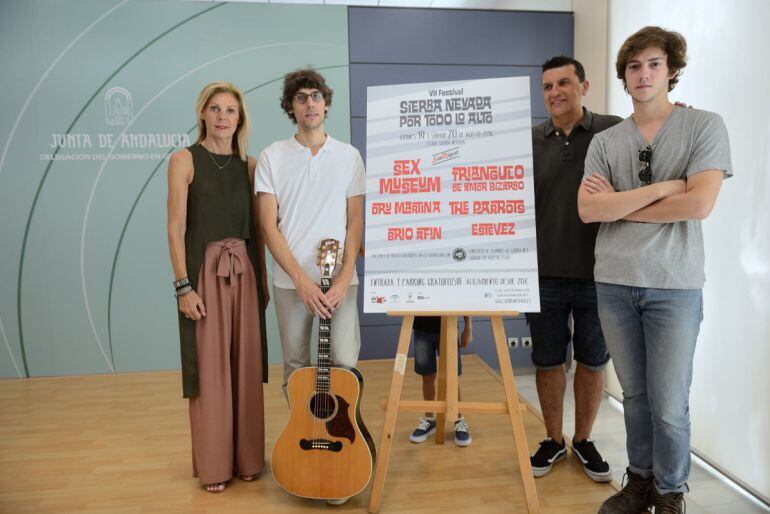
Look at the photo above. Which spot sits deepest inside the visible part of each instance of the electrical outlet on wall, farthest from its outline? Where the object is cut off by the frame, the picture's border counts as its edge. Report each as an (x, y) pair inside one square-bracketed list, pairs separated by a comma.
[(513, 342), (526, 342)]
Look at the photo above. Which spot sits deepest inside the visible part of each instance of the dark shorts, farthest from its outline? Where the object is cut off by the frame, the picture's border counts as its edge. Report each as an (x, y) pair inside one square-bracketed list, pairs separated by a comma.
[(426, 345), (551, 330)]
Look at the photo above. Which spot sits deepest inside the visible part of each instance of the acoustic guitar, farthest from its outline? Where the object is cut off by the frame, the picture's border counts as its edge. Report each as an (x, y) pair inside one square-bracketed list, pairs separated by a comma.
[(325, 450)]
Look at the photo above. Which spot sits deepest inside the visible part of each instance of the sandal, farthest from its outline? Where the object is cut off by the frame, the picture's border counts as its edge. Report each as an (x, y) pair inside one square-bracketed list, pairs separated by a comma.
[(215, 488)]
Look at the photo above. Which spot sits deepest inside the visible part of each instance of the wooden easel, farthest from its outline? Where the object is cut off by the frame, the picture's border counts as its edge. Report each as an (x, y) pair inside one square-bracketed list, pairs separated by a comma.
[(446, 404)]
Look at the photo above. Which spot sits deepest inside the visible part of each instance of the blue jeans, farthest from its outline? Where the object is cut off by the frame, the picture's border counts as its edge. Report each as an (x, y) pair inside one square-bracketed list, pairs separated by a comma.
[(651, 335)]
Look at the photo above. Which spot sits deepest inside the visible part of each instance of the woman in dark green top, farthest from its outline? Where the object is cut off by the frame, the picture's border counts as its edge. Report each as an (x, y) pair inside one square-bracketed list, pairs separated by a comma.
[(219, 276)]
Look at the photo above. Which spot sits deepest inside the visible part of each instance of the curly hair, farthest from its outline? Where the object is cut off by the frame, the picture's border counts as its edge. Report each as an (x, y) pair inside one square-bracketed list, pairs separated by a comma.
[(672, 43), (306, 78)]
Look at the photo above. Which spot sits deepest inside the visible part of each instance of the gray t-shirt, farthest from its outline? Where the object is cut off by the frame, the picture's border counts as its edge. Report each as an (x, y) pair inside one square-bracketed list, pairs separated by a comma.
[(657, 255)]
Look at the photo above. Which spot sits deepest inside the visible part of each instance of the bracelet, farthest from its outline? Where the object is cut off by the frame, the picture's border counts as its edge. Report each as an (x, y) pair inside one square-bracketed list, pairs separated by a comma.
[(182, 282), (183, 290)]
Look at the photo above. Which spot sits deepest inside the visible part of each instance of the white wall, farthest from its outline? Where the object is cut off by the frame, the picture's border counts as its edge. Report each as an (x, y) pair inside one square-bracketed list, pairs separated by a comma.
[(728, 73), (591, 49)]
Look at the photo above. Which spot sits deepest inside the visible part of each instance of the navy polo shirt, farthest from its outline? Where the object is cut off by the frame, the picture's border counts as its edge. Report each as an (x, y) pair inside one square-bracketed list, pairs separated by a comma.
[(565, 245)]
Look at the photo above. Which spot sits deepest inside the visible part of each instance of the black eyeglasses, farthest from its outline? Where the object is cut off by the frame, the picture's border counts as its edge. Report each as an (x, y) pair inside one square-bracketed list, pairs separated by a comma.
[(317, 96), (645, 157)]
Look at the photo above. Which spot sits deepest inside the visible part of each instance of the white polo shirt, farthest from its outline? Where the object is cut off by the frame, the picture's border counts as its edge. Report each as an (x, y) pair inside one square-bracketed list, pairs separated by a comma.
[(312, 193)]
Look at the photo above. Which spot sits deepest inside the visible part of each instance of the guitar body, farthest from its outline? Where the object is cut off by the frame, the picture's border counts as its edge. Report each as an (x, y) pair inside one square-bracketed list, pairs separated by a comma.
[(325, 450)]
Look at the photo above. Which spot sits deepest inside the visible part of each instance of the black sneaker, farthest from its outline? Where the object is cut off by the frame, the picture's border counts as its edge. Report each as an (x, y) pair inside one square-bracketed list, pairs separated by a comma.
[(635, 497), (549, 453), (671, 503), (595, 467)]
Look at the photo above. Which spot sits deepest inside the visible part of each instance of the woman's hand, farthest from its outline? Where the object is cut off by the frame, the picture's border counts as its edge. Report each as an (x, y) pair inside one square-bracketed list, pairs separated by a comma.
[(265, 293), (192, 306)]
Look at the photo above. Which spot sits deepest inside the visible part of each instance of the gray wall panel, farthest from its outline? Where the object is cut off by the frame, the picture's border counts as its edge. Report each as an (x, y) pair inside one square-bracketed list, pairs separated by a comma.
[(386, 35)]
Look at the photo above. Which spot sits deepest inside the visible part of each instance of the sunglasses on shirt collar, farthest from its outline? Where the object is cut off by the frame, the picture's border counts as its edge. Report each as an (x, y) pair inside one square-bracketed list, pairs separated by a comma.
[(645, 158)]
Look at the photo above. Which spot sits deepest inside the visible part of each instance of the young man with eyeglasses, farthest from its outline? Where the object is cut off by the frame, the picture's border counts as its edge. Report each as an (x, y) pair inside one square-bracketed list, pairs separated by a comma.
[(311, 188), (650, 180), (565, 253)]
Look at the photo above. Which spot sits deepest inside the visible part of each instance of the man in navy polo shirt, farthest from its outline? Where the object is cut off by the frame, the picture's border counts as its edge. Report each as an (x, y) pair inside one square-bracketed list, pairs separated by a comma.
[(565, 249)]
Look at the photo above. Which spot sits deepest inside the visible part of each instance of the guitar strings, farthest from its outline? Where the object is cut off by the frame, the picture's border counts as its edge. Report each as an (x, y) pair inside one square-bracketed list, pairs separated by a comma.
[(323, 401)]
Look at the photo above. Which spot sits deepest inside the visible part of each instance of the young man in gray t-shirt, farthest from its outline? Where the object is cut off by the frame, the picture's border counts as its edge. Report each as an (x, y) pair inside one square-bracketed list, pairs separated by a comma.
[(650, 180)]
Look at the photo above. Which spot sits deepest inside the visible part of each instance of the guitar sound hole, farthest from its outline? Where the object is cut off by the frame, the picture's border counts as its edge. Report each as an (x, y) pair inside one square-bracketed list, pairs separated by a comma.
[(323, 405)]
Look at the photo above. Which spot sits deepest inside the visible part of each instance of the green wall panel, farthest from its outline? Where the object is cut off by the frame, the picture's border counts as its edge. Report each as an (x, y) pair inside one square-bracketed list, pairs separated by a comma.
[(83, 262)]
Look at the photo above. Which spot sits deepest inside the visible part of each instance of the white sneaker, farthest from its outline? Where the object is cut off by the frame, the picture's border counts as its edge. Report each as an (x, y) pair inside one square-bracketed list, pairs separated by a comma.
[(462, 436), (424, 430)]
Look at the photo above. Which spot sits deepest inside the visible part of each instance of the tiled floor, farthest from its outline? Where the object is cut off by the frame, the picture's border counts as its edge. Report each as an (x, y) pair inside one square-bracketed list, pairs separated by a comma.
[(708, 493)]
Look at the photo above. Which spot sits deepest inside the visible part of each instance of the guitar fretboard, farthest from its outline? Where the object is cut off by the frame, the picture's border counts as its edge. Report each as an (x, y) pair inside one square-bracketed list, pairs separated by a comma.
[(324, 345)]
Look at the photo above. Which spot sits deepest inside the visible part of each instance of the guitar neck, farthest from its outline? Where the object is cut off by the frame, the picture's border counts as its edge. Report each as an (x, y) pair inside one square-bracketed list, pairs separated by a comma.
[(324, 345)]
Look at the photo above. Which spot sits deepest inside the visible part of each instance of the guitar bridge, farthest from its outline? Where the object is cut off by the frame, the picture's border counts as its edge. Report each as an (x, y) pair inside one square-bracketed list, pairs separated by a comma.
[(320, 444)]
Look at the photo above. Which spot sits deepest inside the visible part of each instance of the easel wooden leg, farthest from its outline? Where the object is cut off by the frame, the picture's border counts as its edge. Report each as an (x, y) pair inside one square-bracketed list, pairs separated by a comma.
[(514, 413), (447, 404), (381, 470)]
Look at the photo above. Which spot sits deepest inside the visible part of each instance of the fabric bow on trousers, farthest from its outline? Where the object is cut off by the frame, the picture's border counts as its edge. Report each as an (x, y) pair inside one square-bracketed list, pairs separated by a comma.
[(227, 416)]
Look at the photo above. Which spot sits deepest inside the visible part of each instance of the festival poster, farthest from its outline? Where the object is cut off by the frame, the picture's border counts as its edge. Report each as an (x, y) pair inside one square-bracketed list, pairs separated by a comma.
[(450, 209)]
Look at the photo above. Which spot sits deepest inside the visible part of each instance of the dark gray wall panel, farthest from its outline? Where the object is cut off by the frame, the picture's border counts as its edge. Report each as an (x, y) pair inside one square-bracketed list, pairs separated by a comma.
[(364, 75), (358, 135), (382, 340), (483, 345), (403, 45), (386, 35)]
